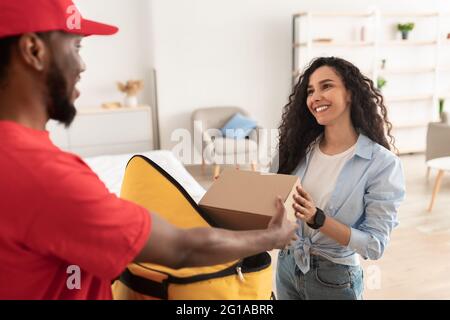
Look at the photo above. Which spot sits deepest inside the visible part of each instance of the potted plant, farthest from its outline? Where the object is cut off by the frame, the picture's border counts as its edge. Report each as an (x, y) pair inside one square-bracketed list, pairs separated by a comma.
[(442, 115), (381, 82), (441, 105), (405, 28), (131, 89)]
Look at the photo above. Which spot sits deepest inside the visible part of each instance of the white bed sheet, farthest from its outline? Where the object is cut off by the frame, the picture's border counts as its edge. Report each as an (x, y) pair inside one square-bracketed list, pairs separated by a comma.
[(111, 169)]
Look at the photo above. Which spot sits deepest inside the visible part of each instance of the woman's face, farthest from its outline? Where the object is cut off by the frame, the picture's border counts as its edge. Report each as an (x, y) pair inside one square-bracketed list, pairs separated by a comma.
[(328, 100)]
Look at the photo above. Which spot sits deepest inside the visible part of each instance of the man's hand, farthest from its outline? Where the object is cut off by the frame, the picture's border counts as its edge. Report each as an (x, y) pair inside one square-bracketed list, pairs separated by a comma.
[(283, 230), (304, 206), (198, 247)]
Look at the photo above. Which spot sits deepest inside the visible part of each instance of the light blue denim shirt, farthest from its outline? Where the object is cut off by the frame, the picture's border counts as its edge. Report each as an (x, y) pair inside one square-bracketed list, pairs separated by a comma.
[(366, 197)]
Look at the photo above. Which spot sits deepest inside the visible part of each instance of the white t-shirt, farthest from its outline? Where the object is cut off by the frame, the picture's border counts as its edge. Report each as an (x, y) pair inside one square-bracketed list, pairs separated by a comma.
[(321, 176)]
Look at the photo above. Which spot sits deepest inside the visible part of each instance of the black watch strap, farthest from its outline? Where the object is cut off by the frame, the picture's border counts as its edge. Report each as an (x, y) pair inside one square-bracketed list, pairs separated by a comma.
[(319, 220)]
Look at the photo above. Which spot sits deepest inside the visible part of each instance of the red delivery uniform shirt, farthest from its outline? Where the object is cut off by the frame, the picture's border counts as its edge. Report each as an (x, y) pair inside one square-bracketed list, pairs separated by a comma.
[(55, 213)]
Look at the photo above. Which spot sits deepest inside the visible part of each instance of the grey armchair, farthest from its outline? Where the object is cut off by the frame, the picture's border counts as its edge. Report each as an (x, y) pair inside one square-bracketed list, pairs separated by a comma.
[(216, 149), (438, 141)]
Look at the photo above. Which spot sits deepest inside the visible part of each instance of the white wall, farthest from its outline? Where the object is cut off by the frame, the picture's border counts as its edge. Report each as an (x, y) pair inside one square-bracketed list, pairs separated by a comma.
[(206, 52), (236, 52), (126, 55)]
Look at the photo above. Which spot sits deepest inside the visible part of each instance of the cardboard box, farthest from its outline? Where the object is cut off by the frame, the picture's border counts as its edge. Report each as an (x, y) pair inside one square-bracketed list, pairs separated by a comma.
[(245, 200)]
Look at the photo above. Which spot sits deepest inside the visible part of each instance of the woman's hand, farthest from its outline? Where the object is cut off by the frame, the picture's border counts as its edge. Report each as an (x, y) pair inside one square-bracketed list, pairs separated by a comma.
[(304, 206)]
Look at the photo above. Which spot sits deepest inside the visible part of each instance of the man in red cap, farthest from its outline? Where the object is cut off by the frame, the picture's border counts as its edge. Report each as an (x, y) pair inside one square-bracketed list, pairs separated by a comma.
[(55, 214)]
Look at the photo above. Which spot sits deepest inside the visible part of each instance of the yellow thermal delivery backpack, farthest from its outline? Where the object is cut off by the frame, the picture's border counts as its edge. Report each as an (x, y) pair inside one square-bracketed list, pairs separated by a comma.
[(148, 185)]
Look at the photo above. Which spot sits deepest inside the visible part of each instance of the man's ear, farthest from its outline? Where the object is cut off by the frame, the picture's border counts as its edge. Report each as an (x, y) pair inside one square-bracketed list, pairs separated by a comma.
[(33, 51)]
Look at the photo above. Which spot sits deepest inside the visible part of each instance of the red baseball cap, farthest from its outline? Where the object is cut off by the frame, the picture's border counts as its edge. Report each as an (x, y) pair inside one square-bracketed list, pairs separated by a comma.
[(21, 16)]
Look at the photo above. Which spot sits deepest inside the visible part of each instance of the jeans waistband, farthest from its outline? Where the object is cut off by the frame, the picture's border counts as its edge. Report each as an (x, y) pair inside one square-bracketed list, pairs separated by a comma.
[(314, 260)]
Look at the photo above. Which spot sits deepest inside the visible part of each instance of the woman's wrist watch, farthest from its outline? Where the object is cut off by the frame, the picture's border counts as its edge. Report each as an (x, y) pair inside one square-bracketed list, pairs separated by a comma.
[(319, 220)]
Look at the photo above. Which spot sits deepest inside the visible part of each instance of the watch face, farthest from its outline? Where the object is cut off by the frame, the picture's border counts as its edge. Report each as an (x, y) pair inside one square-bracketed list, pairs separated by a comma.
[(320, 218)]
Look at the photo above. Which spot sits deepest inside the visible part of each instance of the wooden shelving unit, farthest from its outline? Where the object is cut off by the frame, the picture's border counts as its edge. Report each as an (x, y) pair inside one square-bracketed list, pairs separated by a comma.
[(325, 14), (386, 72), (444, 69), (410, 125), (409, 98), (336, 43), (305, 46), (410, 14), (409, 43)]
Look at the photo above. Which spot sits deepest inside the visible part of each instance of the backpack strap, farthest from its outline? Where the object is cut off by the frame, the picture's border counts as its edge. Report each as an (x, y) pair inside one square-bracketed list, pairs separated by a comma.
[(145, 286)]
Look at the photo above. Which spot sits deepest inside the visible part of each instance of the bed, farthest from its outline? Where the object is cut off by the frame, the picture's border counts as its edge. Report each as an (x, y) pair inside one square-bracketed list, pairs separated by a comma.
[(111, 169)]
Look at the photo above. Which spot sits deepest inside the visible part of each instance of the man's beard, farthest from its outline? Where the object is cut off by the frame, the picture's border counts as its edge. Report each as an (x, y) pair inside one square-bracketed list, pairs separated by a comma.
[(60, 108)]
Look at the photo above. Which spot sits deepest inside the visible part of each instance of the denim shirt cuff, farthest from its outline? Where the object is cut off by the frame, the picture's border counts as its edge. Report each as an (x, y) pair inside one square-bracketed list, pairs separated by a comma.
[(359, 241)]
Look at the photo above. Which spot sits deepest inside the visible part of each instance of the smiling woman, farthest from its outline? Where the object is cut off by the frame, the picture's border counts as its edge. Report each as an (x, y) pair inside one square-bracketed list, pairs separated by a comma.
[(326, 89), (333, 136), (299, 127)]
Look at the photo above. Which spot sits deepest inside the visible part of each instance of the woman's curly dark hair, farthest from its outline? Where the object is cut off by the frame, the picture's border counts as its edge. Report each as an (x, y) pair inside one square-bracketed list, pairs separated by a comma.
[(299, 128)]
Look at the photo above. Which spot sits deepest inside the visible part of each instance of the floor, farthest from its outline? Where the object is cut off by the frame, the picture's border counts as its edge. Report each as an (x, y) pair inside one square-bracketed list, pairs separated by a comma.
[(416, 264)]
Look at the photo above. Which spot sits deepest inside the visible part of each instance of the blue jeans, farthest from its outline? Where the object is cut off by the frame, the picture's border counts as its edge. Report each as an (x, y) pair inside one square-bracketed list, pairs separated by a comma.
[(325, 280)]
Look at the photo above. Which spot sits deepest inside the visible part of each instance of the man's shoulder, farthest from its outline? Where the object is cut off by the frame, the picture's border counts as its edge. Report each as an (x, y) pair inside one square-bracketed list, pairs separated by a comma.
[(42, 164)]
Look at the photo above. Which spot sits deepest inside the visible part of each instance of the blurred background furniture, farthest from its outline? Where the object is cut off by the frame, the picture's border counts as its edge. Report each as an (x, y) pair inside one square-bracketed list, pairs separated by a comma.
[(111, 170), (98, 131), (438, 142), (442, 165), (217, 149)]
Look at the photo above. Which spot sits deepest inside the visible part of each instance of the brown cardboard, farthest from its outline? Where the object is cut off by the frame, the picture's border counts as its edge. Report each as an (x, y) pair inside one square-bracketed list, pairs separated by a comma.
[(245, 200)]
